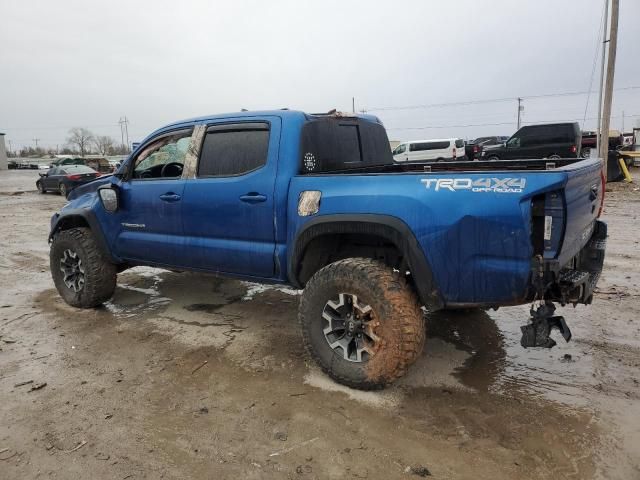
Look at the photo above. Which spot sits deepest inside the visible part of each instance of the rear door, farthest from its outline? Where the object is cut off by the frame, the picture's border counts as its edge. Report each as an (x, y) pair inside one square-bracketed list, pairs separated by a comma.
[(228, 208)]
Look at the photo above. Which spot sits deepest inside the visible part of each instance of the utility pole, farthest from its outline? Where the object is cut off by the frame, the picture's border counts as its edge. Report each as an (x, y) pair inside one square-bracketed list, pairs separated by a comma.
[(608, 89), (124, 131), (36, 140), (605, 22), (10, 147), (520, 109), (353, 104)]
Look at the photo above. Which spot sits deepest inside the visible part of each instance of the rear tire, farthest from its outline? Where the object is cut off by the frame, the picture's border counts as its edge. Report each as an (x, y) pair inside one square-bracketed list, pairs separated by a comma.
[(83, 276), (554, 157), (386, 310)]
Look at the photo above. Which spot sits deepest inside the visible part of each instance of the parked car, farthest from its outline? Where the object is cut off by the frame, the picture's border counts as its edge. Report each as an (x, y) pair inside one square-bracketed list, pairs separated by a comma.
[(473, 148), (428, 150), (63, 179), (23, 165), (317, 202), (589, 141), (554, 141), (100, 164)]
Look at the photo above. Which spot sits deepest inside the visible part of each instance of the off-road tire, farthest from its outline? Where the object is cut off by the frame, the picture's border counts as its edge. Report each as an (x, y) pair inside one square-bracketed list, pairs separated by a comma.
[(395, 306), (41, 188), (62, 188), (99, 272)]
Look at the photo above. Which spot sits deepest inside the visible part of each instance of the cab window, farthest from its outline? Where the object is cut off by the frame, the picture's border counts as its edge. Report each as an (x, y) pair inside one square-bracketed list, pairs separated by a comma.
[(400, 149), (163, 158), (230, 150)]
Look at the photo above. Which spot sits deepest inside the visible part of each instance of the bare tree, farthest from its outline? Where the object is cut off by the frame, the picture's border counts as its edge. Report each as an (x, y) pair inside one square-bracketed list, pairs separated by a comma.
[(104, 144), (82, 138)]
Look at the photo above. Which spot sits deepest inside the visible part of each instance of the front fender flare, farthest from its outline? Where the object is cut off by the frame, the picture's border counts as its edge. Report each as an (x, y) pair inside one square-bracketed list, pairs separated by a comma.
[(81, 217)]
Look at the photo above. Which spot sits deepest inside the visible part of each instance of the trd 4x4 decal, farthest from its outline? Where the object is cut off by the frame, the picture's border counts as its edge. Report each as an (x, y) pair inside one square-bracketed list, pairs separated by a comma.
[(498, 185)]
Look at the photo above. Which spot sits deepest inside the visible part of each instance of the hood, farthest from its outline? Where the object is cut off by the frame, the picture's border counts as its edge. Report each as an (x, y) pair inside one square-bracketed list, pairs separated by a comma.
[(89, 187), (488, 148)]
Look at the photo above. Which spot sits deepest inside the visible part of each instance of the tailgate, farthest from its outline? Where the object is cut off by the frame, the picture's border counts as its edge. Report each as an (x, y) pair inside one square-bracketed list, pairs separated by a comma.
[(582, 194)]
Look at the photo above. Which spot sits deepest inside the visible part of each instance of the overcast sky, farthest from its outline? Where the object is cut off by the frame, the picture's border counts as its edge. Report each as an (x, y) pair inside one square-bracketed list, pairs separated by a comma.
[(79, 63)]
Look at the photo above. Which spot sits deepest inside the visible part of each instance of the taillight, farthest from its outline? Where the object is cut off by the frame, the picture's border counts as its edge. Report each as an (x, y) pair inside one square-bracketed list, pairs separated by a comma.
[(74, 177), (574, 149), (602, 199), (476, 149)]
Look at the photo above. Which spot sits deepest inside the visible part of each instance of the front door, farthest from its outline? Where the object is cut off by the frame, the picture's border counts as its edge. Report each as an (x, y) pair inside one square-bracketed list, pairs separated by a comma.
[(150, 225), (50, 181), (228, 206)]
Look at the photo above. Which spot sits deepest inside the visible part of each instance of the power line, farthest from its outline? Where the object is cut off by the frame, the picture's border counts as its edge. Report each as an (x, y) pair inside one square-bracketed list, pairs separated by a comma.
[(491, 100), (59, 128), (428, 127)]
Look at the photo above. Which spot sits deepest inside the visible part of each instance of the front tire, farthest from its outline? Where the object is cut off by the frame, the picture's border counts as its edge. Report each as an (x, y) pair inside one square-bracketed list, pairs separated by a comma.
[(83, 276), (63, 190), (493, 158), (361, 322), (41, 188)]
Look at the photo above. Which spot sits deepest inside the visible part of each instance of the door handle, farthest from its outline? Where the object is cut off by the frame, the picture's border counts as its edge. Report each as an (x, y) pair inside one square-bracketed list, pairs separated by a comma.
[(253, 197), (170, 197)]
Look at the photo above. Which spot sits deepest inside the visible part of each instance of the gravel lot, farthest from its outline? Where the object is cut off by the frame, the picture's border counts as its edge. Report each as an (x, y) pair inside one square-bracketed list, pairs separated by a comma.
[(192, 376)]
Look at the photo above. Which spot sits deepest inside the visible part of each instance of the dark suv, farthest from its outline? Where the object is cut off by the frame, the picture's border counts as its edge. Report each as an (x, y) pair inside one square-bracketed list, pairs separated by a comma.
[(556, 140)]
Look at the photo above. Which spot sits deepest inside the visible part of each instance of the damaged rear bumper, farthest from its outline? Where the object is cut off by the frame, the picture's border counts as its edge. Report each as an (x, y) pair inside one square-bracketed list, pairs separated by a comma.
[(575, 282)]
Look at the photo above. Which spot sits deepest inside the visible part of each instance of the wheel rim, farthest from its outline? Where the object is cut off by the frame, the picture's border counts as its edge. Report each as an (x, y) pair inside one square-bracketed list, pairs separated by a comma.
[(72, 270), (63, 189), (554, 157), (349, 328), (40, 187)]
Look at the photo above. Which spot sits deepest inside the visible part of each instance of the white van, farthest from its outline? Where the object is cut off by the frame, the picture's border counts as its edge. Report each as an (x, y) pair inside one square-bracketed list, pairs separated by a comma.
[(430, 150)]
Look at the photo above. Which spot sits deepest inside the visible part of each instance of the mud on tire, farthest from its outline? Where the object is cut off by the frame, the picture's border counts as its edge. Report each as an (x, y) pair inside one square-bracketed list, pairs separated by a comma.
[(394, 309), (77, 247)]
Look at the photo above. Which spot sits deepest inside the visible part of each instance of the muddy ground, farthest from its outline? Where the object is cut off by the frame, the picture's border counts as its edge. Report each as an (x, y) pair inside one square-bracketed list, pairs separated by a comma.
[(192, 376)]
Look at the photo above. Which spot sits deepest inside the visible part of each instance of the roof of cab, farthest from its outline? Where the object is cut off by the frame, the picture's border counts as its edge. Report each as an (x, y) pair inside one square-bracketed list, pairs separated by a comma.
[(284, 113)]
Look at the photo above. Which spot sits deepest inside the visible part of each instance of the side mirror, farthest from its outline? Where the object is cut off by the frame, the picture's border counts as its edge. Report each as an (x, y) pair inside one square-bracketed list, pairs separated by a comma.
[(110, 197), (43, 174)]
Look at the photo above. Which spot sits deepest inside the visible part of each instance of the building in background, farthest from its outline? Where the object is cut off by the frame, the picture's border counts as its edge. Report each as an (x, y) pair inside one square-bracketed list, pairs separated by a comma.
[(4, 164)]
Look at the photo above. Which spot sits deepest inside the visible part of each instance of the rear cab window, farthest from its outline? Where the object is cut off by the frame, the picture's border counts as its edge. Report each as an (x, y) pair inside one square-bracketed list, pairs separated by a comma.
[(331, 144)]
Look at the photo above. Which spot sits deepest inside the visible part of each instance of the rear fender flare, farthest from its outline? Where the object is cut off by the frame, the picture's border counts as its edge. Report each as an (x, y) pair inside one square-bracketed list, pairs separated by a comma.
[(390, 228)]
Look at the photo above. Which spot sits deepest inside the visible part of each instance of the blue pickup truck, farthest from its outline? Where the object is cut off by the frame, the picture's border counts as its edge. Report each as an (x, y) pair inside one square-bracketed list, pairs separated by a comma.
[(316, 201)]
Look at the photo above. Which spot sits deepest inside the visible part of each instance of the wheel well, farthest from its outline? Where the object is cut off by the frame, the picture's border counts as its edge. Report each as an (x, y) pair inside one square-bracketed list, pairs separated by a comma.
[(71, 221), (328, 248)]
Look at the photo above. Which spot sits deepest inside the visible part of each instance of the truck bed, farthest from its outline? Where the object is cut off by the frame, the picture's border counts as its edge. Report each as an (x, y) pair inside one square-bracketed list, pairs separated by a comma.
[(462, 166), (480, 225)]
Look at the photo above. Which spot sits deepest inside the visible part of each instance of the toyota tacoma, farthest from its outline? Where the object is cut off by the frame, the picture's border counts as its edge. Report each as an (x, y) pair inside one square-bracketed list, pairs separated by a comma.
[(315, 201)]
